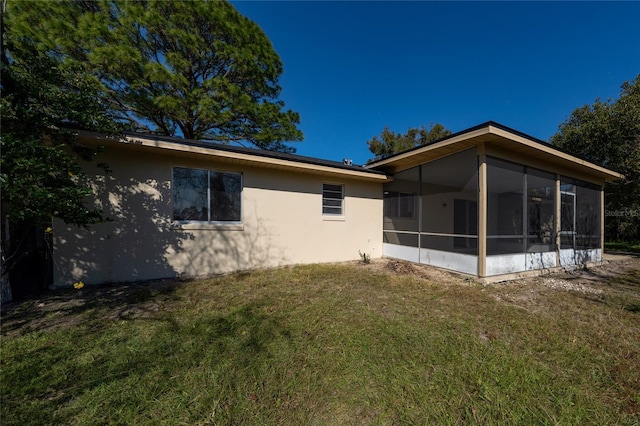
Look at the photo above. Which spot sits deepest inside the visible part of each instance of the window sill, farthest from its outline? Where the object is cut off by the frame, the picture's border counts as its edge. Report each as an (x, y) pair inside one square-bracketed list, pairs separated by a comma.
[(208, 226), (334, 218)]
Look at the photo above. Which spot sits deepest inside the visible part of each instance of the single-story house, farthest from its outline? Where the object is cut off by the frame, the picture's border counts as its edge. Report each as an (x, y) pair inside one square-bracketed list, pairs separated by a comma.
[(488, 201)]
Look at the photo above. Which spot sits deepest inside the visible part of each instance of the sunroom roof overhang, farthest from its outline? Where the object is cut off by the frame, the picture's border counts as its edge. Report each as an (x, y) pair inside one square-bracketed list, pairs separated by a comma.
[(502, 139)]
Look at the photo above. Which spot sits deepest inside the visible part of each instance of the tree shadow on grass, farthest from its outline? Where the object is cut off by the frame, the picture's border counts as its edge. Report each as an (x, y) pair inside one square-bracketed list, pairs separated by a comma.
[(55, 309), (137, 367)]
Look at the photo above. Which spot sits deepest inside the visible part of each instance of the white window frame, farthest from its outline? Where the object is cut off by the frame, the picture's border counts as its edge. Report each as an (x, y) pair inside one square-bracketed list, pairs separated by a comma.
[(205, 224), (341, 199)]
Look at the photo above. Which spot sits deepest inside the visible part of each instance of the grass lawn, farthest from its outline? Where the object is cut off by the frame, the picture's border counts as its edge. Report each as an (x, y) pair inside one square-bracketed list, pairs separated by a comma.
[(328, 344), (622, 246)]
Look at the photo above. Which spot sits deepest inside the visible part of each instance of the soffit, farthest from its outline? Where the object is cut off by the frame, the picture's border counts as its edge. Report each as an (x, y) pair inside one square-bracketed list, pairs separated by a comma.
[(518, 145), (425, 154)]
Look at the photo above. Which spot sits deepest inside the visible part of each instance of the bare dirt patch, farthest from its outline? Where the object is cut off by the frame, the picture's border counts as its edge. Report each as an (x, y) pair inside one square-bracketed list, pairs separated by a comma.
[(402, 267), (618, 276), (586, 280)]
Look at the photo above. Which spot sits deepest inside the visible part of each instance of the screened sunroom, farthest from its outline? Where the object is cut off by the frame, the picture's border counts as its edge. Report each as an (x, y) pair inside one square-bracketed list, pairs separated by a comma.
[(490, 202)]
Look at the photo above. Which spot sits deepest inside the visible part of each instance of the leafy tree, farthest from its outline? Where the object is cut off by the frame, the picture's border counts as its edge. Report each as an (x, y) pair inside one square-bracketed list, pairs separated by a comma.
[(193, 69), (40, 176), (608, 133), (390, 143), (196, 69)]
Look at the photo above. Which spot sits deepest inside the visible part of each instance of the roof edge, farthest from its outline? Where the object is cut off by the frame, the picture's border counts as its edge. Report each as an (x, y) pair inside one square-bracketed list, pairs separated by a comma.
[(252, 151), (492, 127), (408, 152), (249, 155)]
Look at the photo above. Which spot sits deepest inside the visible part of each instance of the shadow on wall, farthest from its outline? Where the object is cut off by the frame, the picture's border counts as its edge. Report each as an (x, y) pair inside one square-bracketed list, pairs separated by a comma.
[(130, 246), (218, 251), (141, 241)]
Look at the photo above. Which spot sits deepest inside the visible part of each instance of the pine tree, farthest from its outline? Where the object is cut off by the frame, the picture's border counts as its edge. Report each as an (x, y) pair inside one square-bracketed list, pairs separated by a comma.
[(196, 69)]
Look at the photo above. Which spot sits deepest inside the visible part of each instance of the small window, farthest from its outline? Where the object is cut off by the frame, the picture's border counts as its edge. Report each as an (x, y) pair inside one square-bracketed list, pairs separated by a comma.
[(399, 204), (332, 199), (206, 195)]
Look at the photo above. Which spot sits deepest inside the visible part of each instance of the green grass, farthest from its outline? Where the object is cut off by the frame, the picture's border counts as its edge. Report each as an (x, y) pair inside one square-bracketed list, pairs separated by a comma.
[(622, 246), (324, 344)]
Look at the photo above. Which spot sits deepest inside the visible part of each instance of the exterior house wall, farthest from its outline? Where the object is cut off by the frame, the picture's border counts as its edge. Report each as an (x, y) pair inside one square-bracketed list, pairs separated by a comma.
[(282, 223)]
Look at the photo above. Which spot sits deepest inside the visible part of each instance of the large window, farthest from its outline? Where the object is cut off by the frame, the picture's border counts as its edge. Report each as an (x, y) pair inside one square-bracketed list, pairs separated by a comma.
[(206, 195), (332, 199), (520, 209)]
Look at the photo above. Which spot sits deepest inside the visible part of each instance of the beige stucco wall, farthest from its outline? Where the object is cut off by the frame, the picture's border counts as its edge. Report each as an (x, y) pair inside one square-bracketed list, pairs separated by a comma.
[(282, 223)]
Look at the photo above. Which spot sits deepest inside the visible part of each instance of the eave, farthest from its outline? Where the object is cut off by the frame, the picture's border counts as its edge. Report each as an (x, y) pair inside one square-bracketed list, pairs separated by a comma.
[(499, 137), (234, 155)]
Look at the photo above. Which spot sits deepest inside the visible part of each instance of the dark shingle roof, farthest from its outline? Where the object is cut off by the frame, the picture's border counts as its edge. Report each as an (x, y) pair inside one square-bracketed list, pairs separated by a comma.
[(254, 151)]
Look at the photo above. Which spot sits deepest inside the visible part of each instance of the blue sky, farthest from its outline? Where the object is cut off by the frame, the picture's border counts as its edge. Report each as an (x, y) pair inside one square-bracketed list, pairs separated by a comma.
[(352, 68)]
